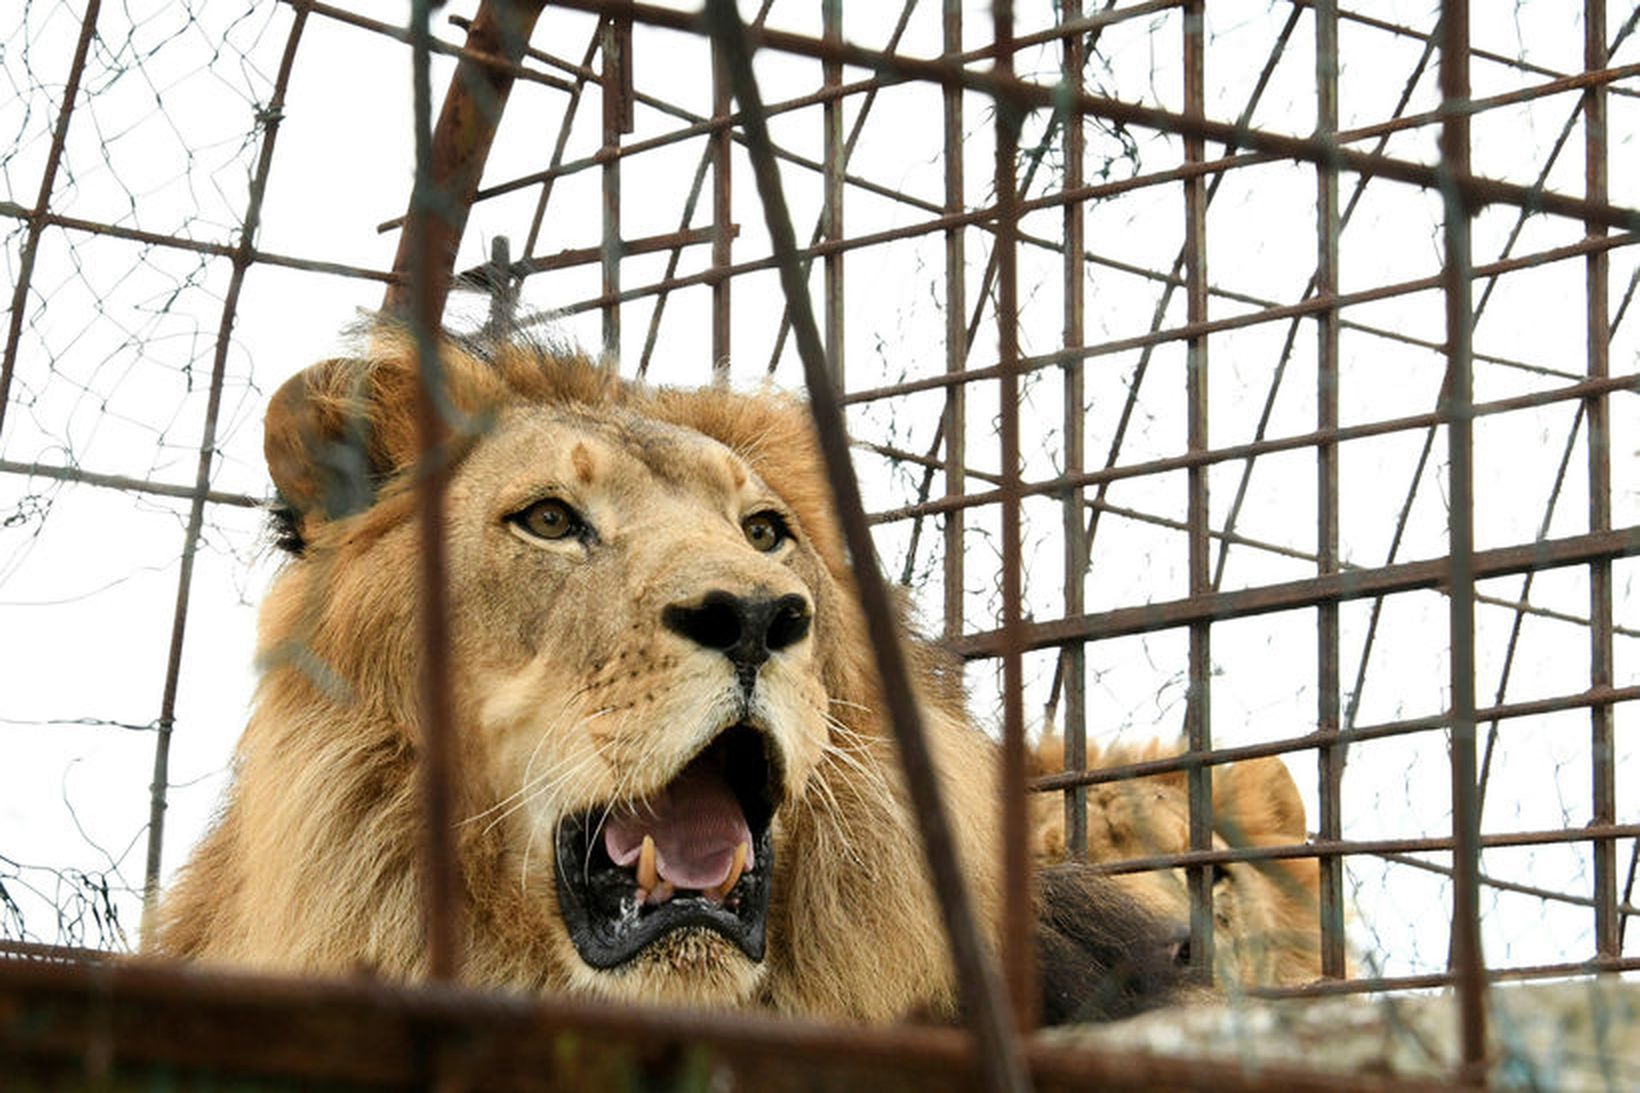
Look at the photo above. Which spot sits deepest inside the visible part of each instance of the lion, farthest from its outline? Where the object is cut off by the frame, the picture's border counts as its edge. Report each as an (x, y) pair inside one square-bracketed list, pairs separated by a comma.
[(1265, 912), (675, 782)]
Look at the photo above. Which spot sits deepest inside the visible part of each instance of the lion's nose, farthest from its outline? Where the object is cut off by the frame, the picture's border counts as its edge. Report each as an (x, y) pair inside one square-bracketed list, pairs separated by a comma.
[(744, 629)]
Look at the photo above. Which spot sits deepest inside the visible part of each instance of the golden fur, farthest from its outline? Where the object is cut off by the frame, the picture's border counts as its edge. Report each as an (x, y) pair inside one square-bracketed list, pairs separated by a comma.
[(1265, 912), (569, 693)]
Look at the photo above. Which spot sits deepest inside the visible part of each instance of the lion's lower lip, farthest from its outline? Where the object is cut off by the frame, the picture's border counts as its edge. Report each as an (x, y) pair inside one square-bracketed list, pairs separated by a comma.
[(602, 902)]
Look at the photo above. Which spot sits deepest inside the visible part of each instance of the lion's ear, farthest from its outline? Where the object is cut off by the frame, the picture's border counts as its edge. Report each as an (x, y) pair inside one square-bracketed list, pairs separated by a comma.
[(1260, 796), (335, 432)]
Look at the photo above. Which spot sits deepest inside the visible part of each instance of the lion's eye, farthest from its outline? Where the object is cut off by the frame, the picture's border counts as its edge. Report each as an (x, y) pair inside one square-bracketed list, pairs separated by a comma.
[(549, 518), (765, 531)]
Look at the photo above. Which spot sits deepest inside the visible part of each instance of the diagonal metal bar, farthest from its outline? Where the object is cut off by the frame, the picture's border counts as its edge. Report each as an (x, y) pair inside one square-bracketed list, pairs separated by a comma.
[(42, 204), (985, 1004)]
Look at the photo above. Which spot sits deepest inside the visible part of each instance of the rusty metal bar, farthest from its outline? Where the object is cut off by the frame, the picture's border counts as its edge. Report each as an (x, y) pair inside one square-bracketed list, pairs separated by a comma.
[(195, 246), (1330, 757), (954, 424), (467, 122), (42, 203), (243, 258), (831, 206), (1329, 988), (124, 482), (1075, 553), (74, 1016), (1475, 190), (1263, 447), (1352, 584), (722, 147), (423, 256), (1467, 962), (1559, 836), (615, 45), (585, 256), (1019, 908), (1608, 942), (1051, 783), (1198, 720), (985, 1004)]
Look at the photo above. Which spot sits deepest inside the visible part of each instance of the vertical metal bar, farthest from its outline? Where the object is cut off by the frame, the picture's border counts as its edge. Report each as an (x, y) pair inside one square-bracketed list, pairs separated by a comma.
[(1018, 909), (1198, 711), (831, 12), (42, 204), (1456, 276), (985, 1003), (1073, 57), (616, 45), (1330, 756), (503, 292), (1597, 271), (723, 144), (244, 255), (429, 203), (956, 332)]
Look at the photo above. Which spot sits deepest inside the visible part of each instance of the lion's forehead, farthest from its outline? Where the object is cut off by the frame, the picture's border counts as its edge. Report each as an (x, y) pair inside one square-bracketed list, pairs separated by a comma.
[(616, 448)]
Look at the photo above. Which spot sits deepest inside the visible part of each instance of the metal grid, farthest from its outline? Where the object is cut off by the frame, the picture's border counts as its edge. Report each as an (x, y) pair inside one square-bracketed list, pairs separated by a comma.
[(972, 472)]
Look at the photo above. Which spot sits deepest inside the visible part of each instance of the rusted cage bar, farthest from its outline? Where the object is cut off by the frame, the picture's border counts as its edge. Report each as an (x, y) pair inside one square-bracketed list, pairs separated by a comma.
[(986, 1004), (976, 467), (1597, 267), (954, 422), (1074, 657), (37, 217), (1199, 702), (1331, 757), (432, 204)]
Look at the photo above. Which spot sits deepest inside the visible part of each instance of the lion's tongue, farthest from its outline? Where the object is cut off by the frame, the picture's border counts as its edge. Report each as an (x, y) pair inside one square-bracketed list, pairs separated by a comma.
[(696, 823)]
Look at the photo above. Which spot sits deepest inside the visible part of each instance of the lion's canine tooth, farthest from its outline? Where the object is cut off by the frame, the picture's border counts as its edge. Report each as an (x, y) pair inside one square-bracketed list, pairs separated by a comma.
[(648, 876), (736, 868)]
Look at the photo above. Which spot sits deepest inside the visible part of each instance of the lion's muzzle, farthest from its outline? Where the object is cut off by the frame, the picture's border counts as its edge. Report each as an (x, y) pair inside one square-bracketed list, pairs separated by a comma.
[(698, 853)]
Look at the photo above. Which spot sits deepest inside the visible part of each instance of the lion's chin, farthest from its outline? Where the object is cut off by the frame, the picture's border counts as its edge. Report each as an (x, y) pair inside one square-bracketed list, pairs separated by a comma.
[(705, 889), (687, 967)]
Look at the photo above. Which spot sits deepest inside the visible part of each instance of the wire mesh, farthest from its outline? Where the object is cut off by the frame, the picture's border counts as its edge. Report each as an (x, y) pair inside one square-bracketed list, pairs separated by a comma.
[(1244, 379)]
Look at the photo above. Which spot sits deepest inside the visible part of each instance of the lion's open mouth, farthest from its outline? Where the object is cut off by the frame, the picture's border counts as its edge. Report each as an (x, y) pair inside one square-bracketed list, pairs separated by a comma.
[(697, 853)]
